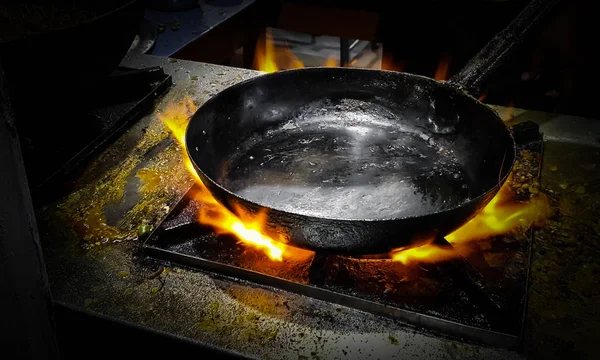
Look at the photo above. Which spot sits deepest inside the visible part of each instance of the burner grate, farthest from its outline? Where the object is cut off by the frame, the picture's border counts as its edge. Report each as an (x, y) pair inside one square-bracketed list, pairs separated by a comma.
[(481, 297)]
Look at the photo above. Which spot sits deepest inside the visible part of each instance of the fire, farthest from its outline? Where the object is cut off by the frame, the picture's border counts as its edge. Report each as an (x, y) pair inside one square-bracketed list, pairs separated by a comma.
[(500, 216), (176, 117), (389, 63), (424, 251), (503, 215), (264, 58), (246, 227), (508, 112), (331, 62), (423, 254), (441, 73), (270, 58)]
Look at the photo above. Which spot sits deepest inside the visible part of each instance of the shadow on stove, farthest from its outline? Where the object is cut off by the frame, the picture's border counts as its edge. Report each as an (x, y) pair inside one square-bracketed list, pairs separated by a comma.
[(52, 153)]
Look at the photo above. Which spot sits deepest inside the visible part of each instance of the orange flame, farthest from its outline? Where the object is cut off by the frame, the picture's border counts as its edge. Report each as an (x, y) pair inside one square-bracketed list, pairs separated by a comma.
[(508, 112), (331, 62), (270, 58), (245, 227), (441, 73), (388, 63), (176, 117), (264, 56), (503, 215), (424, 251), (500, 216), (428, 253)]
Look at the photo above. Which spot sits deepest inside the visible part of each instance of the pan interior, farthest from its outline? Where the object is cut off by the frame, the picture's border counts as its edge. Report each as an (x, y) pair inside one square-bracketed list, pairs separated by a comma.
[(347, 158), (367, 151)]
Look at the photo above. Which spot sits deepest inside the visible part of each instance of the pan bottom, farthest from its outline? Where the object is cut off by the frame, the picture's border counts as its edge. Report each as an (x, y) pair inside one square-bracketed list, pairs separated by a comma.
[(334, 167)]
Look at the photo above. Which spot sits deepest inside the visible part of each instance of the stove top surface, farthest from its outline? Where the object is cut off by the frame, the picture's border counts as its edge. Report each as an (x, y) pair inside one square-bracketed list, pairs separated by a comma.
[(100, 268), (452, 298), (478, 295)]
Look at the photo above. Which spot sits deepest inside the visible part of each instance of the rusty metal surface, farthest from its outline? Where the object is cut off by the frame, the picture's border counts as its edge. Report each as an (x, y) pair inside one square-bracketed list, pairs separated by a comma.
[(92, 272)]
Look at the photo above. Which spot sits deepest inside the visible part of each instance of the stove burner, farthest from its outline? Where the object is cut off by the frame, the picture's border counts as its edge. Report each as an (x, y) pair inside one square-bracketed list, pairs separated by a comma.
[(481, 297)]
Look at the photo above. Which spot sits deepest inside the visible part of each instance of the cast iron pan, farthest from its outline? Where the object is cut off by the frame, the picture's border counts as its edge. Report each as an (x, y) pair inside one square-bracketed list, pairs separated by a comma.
[(355, 161)]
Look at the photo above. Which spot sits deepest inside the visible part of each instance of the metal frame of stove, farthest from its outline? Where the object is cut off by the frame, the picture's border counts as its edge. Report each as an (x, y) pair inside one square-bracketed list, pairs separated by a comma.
[(526, 134), (412, 318)]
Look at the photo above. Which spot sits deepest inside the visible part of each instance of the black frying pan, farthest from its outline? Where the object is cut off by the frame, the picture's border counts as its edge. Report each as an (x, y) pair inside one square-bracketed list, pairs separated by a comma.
[(356, 161)]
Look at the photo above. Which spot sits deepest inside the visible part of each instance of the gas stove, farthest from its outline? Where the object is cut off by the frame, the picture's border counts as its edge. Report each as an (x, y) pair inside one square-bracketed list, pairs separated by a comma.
[(183, 281), (476, 293)]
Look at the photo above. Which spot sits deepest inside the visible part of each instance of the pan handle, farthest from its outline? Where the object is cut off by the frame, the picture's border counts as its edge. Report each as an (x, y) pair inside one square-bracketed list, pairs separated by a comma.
[(478, 70)]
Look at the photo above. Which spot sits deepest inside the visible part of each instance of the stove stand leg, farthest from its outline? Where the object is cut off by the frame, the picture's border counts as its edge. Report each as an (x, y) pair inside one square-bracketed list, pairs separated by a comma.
[(316, 273), (344, 52), (27, 325)]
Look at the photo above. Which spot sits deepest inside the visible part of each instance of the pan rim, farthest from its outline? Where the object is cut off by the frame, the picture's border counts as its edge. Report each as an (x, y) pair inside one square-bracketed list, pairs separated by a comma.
[(452, 86)]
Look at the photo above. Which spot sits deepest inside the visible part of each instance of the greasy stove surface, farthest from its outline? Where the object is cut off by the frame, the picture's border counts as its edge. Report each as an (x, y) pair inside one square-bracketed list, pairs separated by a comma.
[(432, 296), (94, 265), (479, 295)]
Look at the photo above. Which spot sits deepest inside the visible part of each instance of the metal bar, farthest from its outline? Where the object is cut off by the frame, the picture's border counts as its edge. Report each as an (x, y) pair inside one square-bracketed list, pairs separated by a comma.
[(316, 275), (344, 52), (353, 45), (418, 320), (27, 324), (539, 145), (473, 76)]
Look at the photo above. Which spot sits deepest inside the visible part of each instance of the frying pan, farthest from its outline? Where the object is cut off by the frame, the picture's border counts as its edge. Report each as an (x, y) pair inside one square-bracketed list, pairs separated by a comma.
[(357, 161)]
